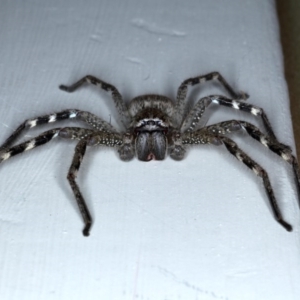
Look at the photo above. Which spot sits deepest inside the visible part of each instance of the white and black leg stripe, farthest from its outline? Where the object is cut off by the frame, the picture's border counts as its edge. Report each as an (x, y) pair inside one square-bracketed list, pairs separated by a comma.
[(239, 105), (284, 151), (259, 171), (208, 77), (233, 125), (5, 155), (64, 115), (182, 90), (280, 149), (31, 144)]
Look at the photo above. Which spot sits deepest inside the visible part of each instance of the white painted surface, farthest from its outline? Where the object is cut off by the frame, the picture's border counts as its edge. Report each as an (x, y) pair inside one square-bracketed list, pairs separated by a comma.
[(196, 229)]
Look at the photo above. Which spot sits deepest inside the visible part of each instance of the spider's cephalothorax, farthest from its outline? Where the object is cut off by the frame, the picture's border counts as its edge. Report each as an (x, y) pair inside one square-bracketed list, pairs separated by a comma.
[(151, 121), (154, 127)]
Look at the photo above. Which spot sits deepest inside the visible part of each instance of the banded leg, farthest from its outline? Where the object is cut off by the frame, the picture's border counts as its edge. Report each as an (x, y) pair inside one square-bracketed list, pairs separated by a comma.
[(84, 116), (72, 174), (196, 113), (182, 90), (45, 137), (117, 97), (254, 110), (200, 137), (260, 172), (274, 145), (103, 138)]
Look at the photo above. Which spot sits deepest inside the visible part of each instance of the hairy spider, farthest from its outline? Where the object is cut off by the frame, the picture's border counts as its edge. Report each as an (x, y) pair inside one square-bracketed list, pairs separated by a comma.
[(155, 125)]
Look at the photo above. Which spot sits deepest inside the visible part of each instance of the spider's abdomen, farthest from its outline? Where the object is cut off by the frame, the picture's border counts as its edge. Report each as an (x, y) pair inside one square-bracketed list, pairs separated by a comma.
[(158, 102), (151, 145)]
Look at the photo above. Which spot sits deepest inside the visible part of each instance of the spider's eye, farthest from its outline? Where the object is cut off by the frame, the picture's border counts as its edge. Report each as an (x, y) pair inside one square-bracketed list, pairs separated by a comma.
[(141, 123), (151, 122)]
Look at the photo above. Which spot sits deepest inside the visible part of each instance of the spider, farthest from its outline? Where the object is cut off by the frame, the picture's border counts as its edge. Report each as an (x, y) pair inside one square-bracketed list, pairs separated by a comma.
[(155, 126)]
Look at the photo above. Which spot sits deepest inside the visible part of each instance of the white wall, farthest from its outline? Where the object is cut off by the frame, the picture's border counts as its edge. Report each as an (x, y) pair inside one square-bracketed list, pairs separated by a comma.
[(196, 229)]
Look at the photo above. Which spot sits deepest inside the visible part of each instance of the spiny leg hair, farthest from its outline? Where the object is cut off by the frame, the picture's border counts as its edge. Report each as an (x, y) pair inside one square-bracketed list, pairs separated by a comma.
[(182, 90), (42, 139), (87, 117), (199, 137), (107, 139), (260, 172), (194, 116), (154, 125), (87, 137), (275, 146), (117, 97), (72, 174), (75, 133)]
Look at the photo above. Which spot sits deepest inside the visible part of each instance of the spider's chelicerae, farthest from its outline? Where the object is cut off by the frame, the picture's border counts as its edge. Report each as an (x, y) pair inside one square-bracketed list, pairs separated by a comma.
[(155, 126)]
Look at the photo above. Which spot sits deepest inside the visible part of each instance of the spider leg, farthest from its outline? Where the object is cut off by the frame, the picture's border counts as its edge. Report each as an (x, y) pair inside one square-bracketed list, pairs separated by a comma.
[(72, 174), (67, 132), (117, 97), (182, 90), (196, 113), (190, 122), (254, 110), (88, 137), (102, 138), (274, 145), (199, 137), (260, 172), (84, 116), (45, 137)]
